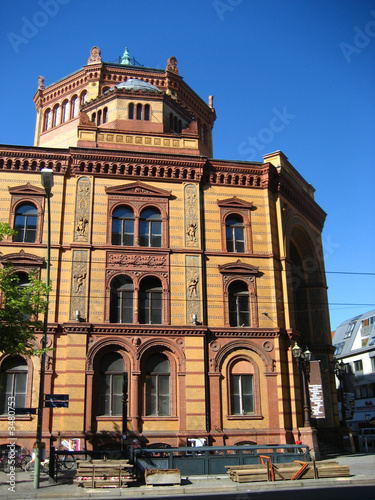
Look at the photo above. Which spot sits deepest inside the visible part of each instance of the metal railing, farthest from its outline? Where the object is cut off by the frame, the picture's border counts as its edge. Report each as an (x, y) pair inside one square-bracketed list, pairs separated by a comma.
[(208, 460), (204, 460)]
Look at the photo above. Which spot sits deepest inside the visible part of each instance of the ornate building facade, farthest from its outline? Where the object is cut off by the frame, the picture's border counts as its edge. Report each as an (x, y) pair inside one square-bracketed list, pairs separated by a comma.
[(193, 276)]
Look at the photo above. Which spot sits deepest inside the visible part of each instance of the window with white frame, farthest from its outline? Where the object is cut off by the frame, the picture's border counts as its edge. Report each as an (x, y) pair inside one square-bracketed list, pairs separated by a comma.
[(13, 383), (111, 384), (158, 400)]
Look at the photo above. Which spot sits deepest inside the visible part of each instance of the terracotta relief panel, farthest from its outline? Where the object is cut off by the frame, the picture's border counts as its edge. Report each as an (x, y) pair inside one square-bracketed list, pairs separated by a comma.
[(82, 215), (191, 216), (79, 283), (193, 288)]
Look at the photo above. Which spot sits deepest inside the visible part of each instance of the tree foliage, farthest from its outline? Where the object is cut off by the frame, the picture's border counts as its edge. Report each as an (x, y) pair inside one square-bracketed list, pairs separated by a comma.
[(21, 308)]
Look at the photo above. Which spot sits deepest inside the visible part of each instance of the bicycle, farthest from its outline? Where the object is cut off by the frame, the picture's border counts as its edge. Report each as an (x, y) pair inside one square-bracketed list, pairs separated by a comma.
[(66, 462), (44, 466), (21, 459)]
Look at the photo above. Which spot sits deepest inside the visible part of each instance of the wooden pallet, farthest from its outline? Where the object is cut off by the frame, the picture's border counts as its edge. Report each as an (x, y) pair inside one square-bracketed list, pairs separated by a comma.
[(287, 471), (104, 474)]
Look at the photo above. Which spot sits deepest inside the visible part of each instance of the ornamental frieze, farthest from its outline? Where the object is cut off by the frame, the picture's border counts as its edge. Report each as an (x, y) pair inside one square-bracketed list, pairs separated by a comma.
[(121, 259)]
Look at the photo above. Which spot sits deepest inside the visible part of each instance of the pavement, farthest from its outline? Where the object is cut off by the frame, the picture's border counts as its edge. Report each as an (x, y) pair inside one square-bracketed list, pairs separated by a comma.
[(361, 466)]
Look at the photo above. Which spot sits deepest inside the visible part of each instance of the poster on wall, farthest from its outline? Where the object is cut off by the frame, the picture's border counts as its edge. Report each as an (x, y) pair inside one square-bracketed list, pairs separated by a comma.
[(316, 391)]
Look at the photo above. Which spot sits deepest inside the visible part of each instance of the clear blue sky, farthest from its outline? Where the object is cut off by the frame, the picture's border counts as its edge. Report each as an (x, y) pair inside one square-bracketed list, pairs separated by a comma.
[(311, 60)]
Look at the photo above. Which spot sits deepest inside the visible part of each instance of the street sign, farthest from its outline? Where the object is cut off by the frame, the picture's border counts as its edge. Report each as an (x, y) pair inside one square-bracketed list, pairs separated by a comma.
[(25, 411), (56, 401)]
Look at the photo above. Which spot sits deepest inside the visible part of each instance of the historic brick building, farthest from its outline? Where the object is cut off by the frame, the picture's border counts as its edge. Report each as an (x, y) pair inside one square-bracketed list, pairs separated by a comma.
[(193, 275)]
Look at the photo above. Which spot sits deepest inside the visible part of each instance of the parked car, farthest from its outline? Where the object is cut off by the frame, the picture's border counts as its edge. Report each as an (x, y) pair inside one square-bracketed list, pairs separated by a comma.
[(369, 434)]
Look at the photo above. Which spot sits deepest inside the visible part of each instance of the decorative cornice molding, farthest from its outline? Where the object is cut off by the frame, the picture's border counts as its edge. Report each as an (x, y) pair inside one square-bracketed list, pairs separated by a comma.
[(23, 258), (138, 188), (302, 202)]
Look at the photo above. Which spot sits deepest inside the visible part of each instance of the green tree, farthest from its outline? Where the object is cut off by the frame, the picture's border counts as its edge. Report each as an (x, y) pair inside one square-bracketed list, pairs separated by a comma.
[(20, 308)]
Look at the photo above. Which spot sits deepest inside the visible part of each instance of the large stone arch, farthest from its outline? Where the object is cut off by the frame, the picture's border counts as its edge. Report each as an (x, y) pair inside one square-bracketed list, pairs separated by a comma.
[(306, 284), (164, 343), (109, 343), (237, 345)]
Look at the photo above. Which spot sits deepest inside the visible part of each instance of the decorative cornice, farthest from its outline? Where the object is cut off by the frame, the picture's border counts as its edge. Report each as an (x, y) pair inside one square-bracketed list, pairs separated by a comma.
[(235, 203), (27, 189), (23, 258), (138, 188), (302, 202), (238, 267)]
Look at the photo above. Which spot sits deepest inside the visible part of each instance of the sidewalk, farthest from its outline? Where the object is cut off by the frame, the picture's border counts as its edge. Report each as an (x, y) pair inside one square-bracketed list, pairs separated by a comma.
[(362, 467)]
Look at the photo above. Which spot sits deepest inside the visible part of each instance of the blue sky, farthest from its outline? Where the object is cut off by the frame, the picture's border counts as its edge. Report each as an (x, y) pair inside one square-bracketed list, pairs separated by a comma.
[(311, 61)]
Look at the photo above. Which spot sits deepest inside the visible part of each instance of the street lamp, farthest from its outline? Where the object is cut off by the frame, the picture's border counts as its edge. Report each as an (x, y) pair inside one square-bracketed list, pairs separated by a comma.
[(303, 360), (47, 183)]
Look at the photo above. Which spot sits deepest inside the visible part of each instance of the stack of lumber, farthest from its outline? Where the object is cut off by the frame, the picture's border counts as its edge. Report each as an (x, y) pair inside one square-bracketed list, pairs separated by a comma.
[(287, 471), (104, 474)]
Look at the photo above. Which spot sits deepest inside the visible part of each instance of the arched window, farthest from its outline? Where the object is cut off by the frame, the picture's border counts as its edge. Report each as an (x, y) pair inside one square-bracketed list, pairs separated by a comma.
[(131, 111), (122, 300), (150, 228), (139, 111), (239, 306), (235, 233), (56, 115), (65, 112), (105, 115), (150, 308), (47, 120), (74, 106), (13, 383), (25, 223), (112, 369), (242, 388), (158, 399), (147, 112), (99, 117), (123, 226), (93, 117), (83, 98)]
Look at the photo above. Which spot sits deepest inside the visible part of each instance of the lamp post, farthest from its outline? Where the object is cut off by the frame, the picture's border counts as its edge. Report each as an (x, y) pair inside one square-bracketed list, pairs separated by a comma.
[(47, 182), (303, 360), (340, 370)]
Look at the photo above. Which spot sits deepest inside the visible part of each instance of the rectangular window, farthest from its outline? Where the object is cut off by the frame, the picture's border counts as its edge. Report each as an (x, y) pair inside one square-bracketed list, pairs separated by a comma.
[(242, 394), (144, 233), (128, 232), (127, 307), (349, 330), (240, 241), (358, 366), (367, 325), (230, 239), (157, 395), (338, 348), (116, 232), (373, 364), (110, 402)]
